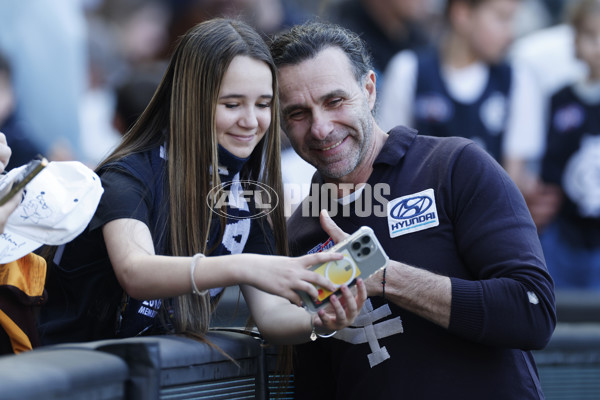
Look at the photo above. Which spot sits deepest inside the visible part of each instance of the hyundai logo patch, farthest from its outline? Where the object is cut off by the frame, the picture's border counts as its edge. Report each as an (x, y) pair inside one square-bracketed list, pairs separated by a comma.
[(412, 213)]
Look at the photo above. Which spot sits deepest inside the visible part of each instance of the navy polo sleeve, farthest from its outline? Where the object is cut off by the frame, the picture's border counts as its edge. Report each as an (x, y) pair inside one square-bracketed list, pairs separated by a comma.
[(511, 300)]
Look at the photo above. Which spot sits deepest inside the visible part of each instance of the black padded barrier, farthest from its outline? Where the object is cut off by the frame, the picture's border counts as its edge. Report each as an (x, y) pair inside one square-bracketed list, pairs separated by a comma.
[(142, 357), (65, 374), (174, 367), (203, 372), (229, 365)]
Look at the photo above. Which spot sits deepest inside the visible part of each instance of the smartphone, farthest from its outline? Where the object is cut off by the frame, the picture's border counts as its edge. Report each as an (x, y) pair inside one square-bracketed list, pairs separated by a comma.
[(363, 256), (17, 182)]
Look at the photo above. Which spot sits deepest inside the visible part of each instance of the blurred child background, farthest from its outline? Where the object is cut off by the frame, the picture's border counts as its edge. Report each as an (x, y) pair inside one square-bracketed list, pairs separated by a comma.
[(464, 86), (571, 163)]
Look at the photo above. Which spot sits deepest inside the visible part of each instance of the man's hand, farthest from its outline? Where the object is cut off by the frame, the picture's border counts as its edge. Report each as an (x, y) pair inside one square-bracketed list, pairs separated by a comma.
[(331, 228)]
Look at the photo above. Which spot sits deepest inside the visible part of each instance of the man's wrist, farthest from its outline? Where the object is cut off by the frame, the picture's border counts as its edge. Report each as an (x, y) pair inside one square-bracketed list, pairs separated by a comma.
[(373, 284)]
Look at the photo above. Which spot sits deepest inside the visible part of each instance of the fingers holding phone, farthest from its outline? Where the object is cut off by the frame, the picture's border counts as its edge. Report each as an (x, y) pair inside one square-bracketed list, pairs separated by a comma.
[(340, 311), (362, 255), (13, 182), (5, 152), (11, 204)]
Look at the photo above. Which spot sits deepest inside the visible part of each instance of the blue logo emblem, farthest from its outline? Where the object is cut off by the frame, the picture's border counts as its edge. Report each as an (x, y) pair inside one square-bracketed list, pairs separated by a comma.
[(412, 213), (411, 207)]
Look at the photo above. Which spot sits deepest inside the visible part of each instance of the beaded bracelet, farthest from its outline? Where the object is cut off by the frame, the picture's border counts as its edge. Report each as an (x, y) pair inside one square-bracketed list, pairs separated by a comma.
[(192, 269)]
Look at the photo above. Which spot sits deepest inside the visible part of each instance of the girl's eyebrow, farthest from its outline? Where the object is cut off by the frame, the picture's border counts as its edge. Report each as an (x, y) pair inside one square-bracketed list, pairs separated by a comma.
[(241, 96)]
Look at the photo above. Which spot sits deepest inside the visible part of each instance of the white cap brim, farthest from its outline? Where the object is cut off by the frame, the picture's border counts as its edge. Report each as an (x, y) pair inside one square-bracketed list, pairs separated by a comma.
[(14, 246), (57, 206)]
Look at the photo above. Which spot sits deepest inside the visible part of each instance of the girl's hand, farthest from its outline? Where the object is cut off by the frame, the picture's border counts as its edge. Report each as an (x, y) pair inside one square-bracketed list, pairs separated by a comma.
[(283, 276), (340, 313)]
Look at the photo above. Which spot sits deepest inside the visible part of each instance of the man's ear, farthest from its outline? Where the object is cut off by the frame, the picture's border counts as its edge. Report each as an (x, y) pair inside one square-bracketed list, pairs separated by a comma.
[(371, 88)]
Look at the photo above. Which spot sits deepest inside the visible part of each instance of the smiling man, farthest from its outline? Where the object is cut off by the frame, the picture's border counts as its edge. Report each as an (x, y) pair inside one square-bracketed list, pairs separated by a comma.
[(336, 112), (466, 294)]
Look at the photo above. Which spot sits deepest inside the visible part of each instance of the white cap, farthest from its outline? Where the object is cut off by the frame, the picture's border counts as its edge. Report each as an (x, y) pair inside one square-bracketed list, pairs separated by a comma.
[(57, 206)]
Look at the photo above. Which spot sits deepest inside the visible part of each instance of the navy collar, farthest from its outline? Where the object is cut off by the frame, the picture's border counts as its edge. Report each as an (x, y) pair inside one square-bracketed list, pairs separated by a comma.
[(397, 144)]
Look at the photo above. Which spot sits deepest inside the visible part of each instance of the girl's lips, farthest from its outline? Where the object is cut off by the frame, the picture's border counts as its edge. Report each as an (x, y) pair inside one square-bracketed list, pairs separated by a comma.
[(243, 138)]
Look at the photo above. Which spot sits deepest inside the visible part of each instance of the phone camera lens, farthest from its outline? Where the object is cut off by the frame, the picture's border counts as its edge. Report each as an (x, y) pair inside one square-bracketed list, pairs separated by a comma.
[(365, 239), (366, 251), (355, 245)]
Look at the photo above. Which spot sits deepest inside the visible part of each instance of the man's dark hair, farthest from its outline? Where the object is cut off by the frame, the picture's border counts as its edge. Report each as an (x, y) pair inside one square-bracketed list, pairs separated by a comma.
[(303, 42)]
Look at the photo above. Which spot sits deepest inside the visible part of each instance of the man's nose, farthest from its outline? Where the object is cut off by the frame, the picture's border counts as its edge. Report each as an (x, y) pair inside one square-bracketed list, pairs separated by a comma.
[(321, 125)]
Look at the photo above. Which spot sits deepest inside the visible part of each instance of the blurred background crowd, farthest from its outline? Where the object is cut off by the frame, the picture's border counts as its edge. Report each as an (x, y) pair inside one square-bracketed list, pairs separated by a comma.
[(75, 74)]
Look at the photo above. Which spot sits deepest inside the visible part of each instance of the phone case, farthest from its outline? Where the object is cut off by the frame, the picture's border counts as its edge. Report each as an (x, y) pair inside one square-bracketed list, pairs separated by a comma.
[(32, 168), (363, 256)]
